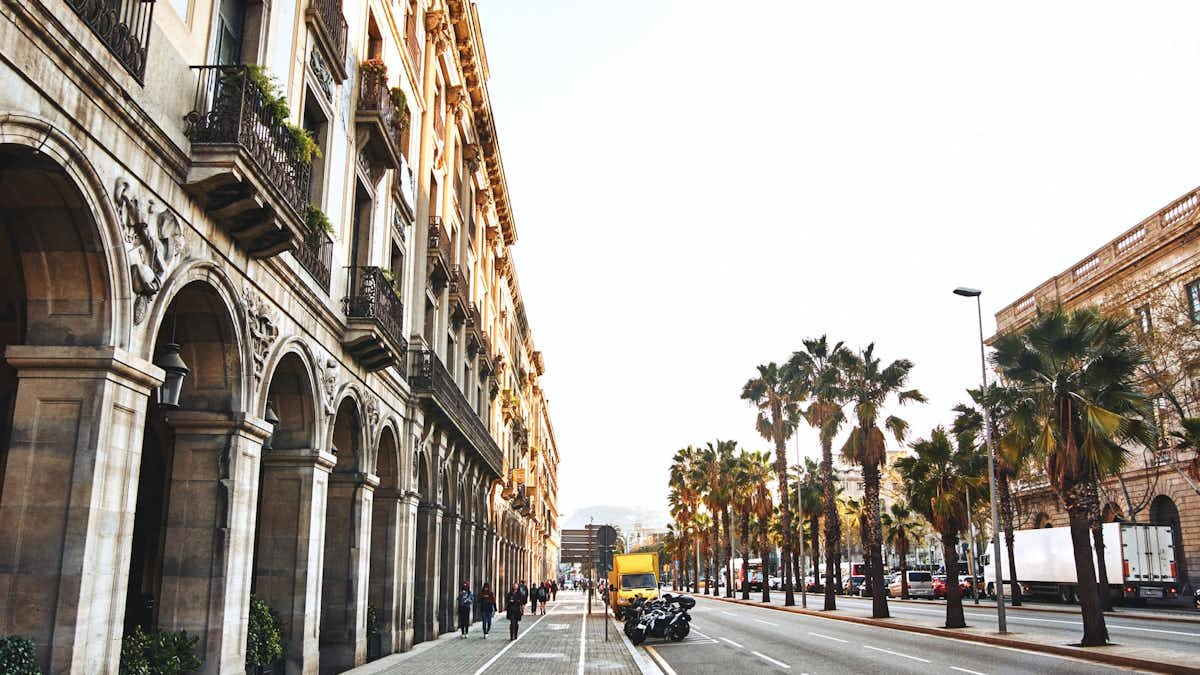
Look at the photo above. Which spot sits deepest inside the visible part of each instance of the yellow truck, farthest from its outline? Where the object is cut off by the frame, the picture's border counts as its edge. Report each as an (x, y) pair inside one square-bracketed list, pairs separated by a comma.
[(633, 574)]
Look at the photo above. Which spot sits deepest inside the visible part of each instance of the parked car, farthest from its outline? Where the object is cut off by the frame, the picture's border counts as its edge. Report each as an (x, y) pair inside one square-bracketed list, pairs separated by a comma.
[(920, 585)]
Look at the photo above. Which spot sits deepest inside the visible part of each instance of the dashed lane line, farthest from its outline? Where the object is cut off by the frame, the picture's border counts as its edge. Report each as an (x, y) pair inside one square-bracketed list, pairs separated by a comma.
[(888, 651), (766, 622), (829, 637), (768, 659), (733, 643), (964, 670)]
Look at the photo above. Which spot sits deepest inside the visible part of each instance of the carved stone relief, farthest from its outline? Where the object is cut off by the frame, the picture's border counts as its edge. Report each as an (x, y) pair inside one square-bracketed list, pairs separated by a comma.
[(262, 327), (154, 243)]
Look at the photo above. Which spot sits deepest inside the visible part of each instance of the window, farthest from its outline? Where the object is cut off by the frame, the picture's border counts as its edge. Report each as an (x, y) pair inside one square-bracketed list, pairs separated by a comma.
[(396, 265), (450, 364), (1160, 421), (231, 24), (315, 123), (1142, 314), (1193, 293)]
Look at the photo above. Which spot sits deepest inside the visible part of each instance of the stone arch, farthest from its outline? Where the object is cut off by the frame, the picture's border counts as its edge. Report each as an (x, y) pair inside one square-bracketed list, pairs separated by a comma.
[(294, 396), (1163, 511), (347, 437), (386, 551)]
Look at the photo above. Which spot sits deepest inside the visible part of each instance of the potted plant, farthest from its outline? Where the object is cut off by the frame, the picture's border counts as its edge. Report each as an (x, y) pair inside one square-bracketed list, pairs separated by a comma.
[(318, 223), (264, 638), (18, 656), (159, 653)]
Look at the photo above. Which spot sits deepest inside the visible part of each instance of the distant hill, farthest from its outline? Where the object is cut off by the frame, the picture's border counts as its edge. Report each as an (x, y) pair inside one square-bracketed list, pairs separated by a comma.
[(621, 516)]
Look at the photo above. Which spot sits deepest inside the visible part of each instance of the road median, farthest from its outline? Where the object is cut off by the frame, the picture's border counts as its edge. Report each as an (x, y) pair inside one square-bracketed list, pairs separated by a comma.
[(1113, 655)]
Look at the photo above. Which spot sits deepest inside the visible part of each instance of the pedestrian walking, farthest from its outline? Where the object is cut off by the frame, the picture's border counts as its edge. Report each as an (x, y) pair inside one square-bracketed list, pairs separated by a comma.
[(534, 592), (465, 600), (514, 607), (553, 589), (544, 595), (524, 592), (487, 607)]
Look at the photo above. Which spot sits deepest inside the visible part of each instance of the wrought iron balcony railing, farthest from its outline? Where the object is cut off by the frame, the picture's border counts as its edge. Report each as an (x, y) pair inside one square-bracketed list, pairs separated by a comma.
[(377, 111), (431, 381), (439, 252), (375, 320), (231, 110), (331, 30), (123, 26), (315, 254), (459, 302)]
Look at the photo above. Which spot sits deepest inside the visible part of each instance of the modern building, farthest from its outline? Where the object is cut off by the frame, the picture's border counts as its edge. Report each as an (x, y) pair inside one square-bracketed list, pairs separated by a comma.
[(1152, 273), (261, 329)]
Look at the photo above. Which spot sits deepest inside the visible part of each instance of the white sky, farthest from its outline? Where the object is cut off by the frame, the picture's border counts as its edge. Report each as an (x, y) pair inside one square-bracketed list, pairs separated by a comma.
[(700, 185)]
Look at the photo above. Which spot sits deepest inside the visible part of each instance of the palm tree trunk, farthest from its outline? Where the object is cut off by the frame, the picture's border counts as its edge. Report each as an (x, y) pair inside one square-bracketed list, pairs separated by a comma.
[(873, 539), (763, 552), (785, 507), (728, 552), (903, 546), (1097, 523), (1095, 632), (746, 553), (1006, 515), (954, 606), (831, 523), (814, 538)]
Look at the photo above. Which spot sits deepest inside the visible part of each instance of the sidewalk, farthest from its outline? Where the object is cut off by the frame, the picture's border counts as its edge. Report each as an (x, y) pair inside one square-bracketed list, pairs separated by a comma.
[(547, 644)]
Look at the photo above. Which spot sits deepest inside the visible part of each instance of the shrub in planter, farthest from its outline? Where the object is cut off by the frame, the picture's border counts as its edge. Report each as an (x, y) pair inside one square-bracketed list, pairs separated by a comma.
[(264, 635), (317, 221), (159, 653), (18, 656), (373, 66), (276, 107)]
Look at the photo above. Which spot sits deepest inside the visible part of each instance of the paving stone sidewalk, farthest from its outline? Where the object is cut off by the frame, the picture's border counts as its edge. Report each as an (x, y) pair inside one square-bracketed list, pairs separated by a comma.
[(547, 644)]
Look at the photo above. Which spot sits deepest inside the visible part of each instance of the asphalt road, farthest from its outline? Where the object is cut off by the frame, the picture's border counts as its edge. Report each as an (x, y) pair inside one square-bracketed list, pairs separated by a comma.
[(727, 638), (1063, 628)]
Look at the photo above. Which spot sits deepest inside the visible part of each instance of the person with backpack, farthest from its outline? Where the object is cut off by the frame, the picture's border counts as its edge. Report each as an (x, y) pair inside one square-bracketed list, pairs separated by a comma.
[(515, 605), (465, 600), (554, 589), (544, 595), (534, 591), (487, 605)]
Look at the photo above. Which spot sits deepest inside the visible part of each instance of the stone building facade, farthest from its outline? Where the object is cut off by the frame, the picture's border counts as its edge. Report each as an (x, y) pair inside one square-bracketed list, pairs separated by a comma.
[(1152, 272), (261, 329)]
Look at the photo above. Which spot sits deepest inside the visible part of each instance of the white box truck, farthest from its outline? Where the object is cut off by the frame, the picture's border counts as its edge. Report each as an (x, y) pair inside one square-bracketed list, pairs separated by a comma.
[(1139, 559)]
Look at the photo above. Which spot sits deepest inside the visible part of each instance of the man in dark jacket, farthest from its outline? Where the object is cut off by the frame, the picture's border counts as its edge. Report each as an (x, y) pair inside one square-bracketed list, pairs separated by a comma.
[(487, 606), (515, 604), (465, 600)]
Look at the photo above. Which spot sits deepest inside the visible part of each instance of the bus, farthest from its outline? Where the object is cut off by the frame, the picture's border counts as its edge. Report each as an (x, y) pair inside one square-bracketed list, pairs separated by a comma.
[(753, 569)]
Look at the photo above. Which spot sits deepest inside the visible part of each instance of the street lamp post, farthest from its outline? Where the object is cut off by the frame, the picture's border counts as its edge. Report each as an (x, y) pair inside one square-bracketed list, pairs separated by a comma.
[(987, 435)]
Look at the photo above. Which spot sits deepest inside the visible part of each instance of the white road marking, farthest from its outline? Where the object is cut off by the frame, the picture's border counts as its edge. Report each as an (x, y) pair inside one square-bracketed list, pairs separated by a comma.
[(509, 645), (964, 670), (888, 651), (729, 613), (659, 661), (766, 622), (582, 639), (733, 643), (768, 659), (829, 637)]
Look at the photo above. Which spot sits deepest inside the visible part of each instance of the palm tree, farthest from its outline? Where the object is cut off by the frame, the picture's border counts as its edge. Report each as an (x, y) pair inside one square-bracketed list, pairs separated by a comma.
[(762, 506), (726, 465), (936, 480), (704, 523), (751, 471), (773, 392), (1012, 455), (685, 499), (1078, 369), (811, 497), (900, 528), (817, 372), (870, 387)]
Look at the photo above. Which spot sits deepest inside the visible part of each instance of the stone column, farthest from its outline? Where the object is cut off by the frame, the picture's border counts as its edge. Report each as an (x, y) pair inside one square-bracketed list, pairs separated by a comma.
[(67, 500), (290, 547), (408, 560), (387, 566), (343, 635), (208, 542), (454, 521), (425, 607)]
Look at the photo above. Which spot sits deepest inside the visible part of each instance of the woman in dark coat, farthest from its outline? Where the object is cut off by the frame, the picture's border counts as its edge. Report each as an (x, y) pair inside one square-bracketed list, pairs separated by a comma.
[(487, 605), (515, 606)]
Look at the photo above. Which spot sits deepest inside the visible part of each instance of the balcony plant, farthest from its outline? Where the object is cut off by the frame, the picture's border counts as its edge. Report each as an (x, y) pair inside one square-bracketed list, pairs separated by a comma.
[(159, 653), (305, 146), (317, 221), (18, 656), (264, 635), (373, 66), (392, 280)]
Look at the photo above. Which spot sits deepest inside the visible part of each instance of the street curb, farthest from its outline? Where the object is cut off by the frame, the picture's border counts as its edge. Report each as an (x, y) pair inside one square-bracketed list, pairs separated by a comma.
[(643, 660), (1059, 650)]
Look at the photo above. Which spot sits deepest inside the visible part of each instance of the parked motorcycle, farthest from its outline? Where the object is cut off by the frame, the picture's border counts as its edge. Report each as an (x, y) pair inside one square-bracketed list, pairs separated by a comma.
[(666, 617)]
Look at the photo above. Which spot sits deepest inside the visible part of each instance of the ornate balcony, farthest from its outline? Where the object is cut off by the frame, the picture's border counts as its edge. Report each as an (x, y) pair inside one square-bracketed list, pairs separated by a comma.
[(460, 303), (316, 256), (329, 27), (123, 26), (374, 321), (441, 397), (439, 253), (377, 119), (248, 171)]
